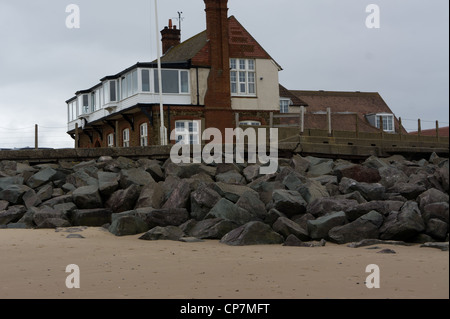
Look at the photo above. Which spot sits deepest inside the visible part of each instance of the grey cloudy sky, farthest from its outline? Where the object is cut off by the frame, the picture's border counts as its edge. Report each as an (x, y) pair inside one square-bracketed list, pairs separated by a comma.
[(321, 45)]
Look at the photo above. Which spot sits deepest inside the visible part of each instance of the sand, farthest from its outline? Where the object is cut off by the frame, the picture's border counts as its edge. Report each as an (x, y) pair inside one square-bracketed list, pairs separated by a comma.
[(33, 265)]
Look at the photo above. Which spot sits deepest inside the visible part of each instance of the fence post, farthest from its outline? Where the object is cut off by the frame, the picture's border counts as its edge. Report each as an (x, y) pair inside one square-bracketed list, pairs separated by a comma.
[(77, 137), (36, 137), (437, 131), (271, 120), (381, 127), (236, 119), (116, 138), (419, 128), (357, 125), (330, 132), (302, 120)]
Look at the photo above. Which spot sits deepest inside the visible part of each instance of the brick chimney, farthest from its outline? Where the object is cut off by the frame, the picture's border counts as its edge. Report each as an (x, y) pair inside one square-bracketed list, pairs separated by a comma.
[(171, 36), (218, 96)]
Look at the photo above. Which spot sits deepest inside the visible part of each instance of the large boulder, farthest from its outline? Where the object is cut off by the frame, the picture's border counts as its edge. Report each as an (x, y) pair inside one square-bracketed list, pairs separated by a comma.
[(374, 191), (42, 177), (365, 227), (163, 217), (299, 164), (319, 228), (5, 182), (14, 193), (179, 198), (123, 199), (324, 206), (227, 210), (91, 217), (3, 205), (436, 228), (231, 177), (188, 170), (252, 172), (31, 199), (87, 197), (231, 192), (210, 228), (439, 210), (407, 190), (432, 196), (251, 203), (312, 190), (359, 173), (383, 207), (323, 168), (136, 176), (128, 225), (202, 201), (108, 183), (12, 215), (43, 213), (403, 225), (286, 227), (82, 178), (252, 233), (290, 203), (152, 195), (163, 233), (390, 176)]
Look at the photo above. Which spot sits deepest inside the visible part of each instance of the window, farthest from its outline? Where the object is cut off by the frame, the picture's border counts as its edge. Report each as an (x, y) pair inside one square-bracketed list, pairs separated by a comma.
[(387, 122), (111, 140), (145, 74), (144, 134), (126, 137), (93, 101), (86, 104), (129, 84), (72, 111), (250, 123), (112, 91), (243, 77), (187, 132), (284, 106), (173, 81)]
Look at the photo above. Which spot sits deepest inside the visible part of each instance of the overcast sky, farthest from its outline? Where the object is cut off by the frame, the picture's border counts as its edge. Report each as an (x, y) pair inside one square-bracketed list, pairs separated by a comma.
[(321, 45)]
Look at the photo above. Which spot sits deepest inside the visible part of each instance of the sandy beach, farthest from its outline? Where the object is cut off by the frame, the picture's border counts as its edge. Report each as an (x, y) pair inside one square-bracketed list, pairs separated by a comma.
[(33, 265)]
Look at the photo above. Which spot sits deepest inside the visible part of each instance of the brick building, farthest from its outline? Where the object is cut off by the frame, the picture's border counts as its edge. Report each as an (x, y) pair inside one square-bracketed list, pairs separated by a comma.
[(205, 81)]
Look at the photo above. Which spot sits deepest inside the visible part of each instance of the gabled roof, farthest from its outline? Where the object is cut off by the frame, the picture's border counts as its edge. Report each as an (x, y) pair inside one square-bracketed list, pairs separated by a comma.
[(196, 49), (296, 101)]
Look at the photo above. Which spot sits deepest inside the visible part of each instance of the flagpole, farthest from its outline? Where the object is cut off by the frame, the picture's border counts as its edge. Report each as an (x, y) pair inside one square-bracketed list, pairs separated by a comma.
[(162, 130)]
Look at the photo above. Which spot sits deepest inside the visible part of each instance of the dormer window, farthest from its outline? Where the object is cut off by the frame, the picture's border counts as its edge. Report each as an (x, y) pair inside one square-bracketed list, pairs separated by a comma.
[(243, 77), (383, 121)]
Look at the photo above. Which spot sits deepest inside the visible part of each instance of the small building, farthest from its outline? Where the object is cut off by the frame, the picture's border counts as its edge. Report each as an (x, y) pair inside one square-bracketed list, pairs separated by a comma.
[(205, 81)]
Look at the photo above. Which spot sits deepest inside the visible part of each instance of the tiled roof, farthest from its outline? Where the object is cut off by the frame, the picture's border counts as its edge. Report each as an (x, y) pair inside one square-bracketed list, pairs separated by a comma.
[(296, 101), (443, 131)]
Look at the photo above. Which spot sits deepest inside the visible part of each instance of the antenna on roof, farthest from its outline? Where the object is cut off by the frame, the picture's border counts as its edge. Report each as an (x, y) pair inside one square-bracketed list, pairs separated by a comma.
[(180, 18)]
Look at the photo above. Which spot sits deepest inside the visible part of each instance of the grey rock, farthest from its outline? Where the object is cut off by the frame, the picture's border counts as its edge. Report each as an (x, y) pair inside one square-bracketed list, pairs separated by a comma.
[(432, 196), (353, 195), (45, 192), (251, 173), (163, 233), (51, 223), (190, 240), (387, 251), (409, 191), (42, 177), (231, 192), (43, 213), (91, 217), (286, 227), (12, 215), (82, 178), (371, 242), (179, 198), (163, 217), (14, 193), (272, 216), (3, 205), (211, 228), (439, 210), (292, 182), (390, 176), (152, 195), (319, 228), (67, 187), (5, 182), (128, 225), (404, 224), (153, 167), (58, 200), (188, 170), (324, 206), (87, 197), (108, 183), (375, 162), (421, 239), (253, 233), (323, 168), (365, 227), (250, 202), (227, 210), (30, 199), (290, 203), (370, 192), (359, 173), (302, 220), (442, 175), (202, 201), (78, 236), (441, 246), (312, 190), (383, 207), (436, 228), (124, 199), (136, 176), (299, 164), (231, 177)]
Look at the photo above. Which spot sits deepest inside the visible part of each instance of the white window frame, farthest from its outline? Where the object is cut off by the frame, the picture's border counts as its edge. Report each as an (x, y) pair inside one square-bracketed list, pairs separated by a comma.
[(155, 83), (388, 122), (110, 139), (126, 137), (184, 134), (143, 132), (241, 72), (283, 107)]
